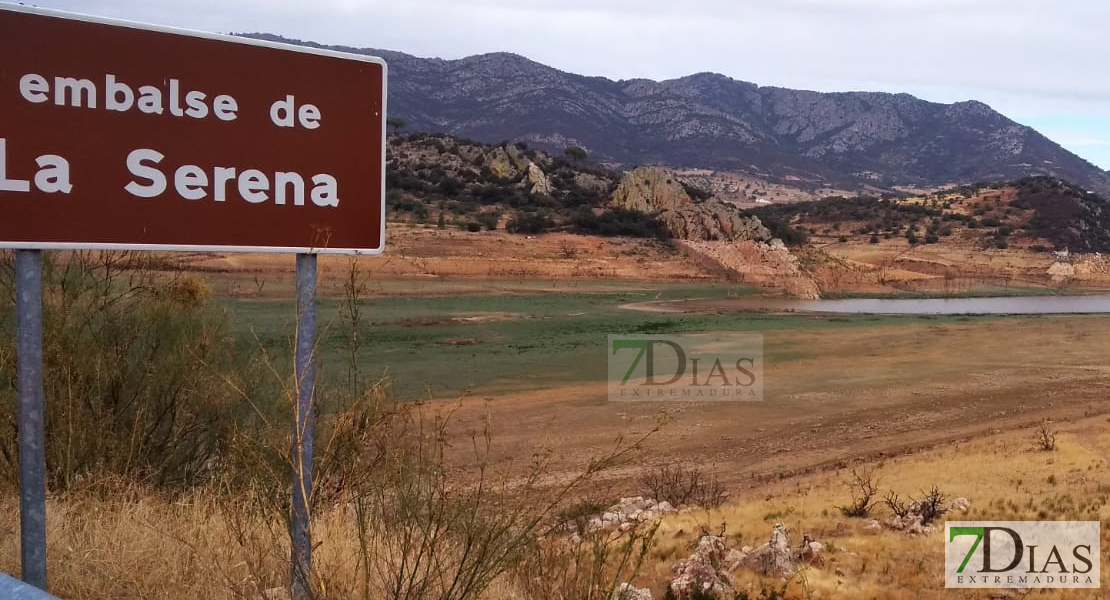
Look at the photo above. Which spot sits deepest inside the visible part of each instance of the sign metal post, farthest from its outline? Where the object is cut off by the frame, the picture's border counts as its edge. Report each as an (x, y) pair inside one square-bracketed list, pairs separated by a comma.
[(32, 451), (303, 428)]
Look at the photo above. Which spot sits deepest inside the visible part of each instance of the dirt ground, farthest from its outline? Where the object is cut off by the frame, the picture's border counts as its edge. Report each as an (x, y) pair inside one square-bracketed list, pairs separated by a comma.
[(415, 253), (860, 393)]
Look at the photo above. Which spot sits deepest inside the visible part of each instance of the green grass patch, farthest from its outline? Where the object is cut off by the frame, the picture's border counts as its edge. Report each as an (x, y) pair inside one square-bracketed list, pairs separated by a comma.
[(440, 346)]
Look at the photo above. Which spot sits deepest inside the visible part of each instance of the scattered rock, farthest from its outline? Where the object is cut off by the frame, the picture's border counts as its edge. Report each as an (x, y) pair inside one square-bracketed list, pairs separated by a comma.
[(911, 524), (704, 571), (1060, 272), (960, 504), (773, 558), (873, 526), (627, 591), (917, 528), (628, 512), (459, 342), (813, 552)]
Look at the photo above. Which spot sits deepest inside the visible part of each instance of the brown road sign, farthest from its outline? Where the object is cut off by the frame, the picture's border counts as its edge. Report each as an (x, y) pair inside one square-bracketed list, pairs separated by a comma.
[(117, 135)]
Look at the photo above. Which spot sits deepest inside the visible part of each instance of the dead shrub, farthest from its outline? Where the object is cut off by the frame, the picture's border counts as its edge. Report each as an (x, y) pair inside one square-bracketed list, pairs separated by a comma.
[(683, 484), (863, 487), (931, 505), (590, 568), (1046, 437)]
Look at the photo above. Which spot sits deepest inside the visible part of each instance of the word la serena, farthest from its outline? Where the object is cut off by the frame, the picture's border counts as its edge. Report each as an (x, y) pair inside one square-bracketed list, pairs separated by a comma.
[(50, 174)]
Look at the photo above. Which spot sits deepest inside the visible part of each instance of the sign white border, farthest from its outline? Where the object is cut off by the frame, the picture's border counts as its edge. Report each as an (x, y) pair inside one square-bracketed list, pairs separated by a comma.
[(19, 8)]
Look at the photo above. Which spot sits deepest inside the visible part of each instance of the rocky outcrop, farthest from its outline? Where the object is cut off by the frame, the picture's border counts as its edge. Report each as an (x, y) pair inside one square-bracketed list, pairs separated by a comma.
[(589, 181), (650, 190), (717, 234), (1061, 272), (768, 265), (537, 180), (501, 164), (713, 220), (509, 162), (773, 558), (654, 191), (709, 567), (515, 154), (443, 167), (705, 570)]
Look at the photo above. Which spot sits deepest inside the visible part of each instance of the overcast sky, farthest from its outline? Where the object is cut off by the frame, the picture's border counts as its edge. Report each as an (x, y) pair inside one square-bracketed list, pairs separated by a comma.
[(1044, 63)]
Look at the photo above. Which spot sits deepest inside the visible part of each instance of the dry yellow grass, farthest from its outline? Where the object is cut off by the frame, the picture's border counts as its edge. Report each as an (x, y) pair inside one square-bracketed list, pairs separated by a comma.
[(1003, 476), (140, 546)]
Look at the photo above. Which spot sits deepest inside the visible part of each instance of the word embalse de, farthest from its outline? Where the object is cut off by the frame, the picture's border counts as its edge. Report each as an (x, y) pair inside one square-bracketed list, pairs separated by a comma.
[(51, 173)]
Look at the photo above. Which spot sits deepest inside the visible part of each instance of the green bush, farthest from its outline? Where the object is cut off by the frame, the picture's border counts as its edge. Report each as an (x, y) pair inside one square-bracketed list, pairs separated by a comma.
[(489, 220), (781, 229), (529, 223), (619, 221)]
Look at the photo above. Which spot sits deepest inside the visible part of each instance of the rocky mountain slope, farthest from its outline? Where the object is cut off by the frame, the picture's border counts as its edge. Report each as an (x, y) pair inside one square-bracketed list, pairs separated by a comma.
[(1035, 213), (450, 181), (709, 120), (435, 178)]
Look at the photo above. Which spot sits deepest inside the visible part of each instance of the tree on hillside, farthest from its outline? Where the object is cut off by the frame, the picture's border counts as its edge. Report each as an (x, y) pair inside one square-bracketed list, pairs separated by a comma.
[(395, 123), (575, 153)]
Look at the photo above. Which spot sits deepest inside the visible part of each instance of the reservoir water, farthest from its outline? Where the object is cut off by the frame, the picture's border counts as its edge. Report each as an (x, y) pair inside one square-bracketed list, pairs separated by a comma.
[(1011, 305)]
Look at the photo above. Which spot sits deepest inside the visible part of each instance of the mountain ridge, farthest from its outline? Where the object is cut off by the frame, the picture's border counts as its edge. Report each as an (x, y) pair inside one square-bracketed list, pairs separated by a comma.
[(714, 121)]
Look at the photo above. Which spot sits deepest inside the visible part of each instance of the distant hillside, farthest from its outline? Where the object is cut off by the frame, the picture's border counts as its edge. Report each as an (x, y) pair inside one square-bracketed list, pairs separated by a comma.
[(709, 120), (1039, 213)]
